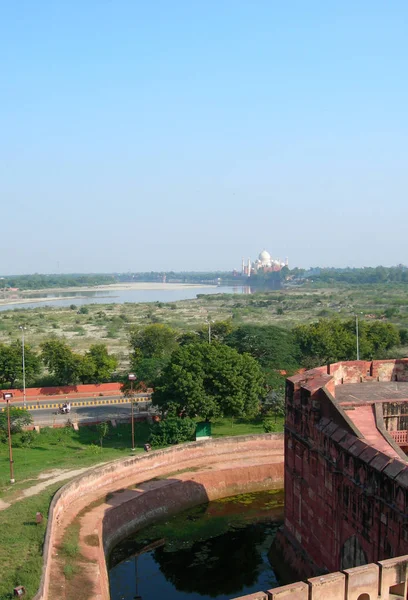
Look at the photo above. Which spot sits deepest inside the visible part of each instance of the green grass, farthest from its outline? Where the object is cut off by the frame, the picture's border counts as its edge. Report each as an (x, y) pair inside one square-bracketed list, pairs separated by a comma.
[(64, 449), (227, 427), (21, 544)]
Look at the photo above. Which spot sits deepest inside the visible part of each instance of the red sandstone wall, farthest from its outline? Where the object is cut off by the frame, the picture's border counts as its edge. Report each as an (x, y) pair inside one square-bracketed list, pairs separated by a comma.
[(350, 372), (183, 493), (113, 388), (341, 495)]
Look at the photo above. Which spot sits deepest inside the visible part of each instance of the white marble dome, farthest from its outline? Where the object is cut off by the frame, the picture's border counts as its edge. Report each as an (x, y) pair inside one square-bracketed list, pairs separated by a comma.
[(265, 258)]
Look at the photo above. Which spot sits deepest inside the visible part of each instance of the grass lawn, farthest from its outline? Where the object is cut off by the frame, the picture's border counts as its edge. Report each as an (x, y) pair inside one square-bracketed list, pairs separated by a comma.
[(227, 427), (20, 538), (21, 544), (64, 449)]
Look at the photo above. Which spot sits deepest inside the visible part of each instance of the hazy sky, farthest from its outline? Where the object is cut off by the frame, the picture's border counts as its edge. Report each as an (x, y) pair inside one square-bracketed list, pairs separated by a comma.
[(184, 134)]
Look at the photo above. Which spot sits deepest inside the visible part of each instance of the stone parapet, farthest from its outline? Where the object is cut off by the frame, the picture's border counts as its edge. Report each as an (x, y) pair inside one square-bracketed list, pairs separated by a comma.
[(384, 580)]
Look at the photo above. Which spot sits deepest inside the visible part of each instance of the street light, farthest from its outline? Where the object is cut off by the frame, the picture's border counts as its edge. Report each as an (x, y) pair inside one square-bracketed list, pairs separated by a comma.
[(24, 381), (132, 378), (6, 397), (209, 321)]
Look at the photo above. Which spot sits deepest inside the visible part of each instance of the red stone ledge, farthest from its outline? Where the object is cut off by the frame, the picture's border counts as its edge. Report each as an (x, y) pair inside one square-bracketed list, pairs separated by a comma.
[(376, 581)]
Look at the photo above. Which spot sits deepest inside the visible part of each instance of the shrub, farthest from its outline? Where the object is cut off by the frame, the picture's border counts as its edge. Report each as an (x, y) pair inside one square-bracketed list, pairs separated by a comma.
[(271, 426), (173, 430)]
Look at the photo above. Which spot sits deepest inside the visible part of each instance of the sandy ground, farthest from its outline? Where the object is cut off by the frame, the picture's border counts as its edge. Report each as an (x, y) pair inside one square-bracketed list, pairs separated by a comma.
[(27, 295)]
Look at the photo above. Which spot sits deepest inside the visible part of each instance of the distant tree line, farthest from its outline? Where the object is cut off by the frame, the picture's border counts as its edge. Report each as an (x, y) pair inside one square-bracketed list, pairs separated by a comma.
[(366, 275), (39, 282)]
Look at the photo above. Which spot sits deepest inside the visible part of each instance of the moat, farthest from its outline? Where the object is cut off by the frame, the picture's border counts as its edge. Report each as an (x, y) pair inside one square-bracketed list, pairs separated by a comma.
[(215, 550)]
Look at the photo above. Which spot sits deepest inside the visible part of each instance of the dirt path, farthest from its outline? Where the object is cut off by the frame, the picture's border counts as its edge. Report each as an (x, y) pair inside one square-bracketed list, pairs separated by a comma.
[(46, 479)]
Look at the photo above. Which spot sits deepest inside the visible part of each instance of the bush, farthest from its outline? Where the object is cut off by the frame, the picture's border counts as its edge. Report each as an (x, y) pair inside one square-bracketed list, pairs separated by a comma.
[(271, 426), (27, 438), (173, 430)]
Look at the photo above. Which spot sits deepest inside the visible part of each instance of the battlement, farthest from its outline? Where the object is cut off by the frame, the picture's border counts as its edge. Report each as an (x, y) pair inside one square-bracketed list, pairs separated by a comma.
[(384, 580)]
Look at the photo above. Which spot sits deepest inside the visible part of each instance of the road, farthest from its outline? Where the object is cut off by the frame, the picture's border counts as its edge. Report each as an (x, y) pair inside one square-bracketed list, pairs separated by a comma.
[(45, 412), (75, 400), (82, 414)]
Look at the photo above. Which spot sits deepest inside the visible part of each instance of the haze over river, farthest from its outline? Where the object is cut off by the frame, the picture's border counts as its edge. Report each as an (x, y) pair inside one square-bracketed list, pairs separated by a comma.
[(170, 293)]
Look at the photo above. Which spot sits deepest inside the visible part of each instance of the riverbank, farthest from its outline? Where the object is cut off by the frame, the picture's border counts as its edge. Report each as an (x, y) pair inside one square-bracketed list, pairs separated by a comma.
[(74, 293)]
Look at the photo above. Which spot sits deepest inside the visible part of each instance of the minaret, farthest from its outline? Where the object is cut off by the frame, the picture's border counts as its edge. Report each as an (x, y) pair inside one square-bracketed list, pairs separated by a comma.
[(249, 267), (287, 262), (243, 267)]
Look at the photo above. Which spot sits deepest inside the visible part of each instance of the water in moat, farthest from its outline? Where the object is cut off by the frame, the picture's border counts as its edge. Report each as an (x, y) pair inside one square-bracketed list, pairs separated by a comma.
[(216, 550)]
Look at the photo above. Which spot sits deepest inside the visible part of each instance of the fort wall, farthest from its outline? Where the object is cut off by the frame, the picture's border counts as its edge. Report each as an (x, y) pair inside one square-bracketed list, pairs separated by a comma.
[(345, 500)]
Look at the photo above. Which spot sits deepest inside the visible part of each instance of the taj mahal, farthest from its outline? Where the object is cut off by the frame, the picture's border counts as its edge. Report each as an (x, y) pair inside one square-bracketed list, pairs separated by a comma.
[(264, 263)]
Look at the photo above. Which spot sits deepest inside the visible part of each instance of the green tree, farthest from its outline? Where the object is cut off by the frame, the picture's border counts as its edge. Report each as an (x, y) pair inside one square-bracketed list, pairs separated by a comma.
[(326, 341), (153, 341), (19, 418), (104, 363), (220, 330), (210, 380), (151, 348), (332, 340), (61, 361), (103, 430), (273, 347), (11, 363), (149, 370)]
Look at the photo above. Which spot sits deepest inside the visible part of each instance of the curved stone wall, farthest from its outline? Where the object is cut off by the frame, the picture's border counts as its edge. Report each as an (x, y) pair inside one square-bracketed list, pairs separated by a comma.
[(196, 472)]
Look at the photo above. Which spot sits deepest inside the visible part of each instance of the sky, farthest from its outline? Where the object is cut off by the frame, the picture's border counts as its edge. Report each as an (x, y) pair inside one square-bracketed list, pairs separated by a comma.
[(184, 134)]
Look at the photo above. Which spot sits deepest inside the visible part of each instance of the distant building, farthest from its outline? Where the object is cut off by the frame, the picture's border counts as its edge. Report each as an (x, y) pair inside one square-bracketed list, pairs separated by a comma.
[(264, 263)]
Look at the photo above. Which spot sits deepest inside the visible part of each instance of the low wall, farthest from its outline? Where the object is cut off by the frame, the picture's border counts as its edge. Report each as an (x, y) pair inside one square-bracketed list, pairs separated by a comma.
[(63, 390), (384, 580), (96, 483), (184, 493)]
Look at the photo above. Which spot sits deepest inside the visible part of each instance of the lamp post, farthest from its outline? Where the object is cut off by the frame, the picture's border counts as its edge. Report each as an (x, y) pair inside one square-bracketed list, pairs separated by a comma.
[(132, 378), (7, 397), (24, 380), (209, 321)]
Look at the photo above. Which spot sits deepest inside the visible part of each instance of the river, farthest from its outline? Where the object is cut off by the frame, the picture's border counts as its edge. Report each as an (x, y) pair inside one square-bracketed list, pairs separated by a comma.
[(119, 296)]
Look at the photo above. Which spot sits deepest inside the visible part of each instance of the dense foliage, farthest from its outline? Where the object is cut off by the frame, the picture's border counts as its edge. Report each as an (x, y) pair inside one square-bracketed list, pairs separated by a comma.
[(334, 340), (18, 419), (11, 364), (39, 281), (366, 275), (210, 380), (272, 346), (173, 430)]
